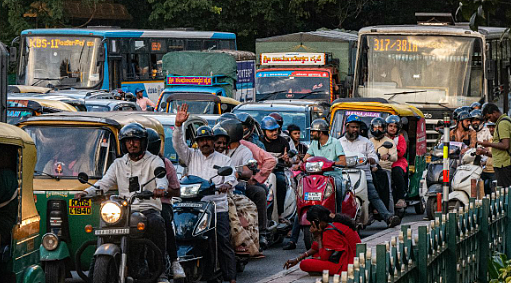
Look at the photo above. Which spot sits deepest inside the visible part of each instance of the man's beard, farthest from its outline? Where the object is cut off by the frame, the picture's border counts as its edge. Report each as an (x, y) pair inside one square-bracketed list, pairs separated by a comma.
[(465, 128), (351, 136), (476, 127), (135, 155), (206, 149)]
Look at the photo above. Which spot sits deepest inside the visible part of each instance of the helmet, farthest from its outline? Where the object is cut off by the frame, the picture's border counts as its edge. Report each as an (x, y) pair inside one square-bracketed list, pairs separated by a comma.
[(464, 115), (218, 131), (225, 116), (353, 118), (475, 105), (456, 112), (378, 122), (117, 96), (153, 141), (233, 128), (133, 130), (319, 125), (477, 114), (130, 97), (269, 123), (394, 119), (490, 124), (277, 118), (466, 108), (204, 132), (248, 121)]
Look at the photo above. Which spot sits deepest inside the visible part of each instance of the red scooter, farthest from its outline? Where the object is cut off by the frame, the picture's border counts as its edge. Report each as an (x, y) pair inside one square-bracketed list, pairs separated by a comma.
[(316, 188)]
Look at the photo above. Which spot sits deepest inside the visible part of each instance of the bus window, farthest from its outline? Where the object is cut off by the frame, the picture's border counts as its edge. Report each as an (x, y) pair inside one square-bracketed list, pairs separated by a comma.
[(193, 44), (138, 66), (138, 46), (156, 66), (226, 44), (176, 45), (210, 44)]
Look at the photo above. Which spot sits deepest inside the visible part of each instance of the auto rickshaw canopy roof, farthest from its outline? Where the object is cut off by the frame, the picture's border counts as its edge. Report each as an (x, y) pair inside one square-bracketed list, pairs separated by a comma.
[(402, 110), (44, 105)]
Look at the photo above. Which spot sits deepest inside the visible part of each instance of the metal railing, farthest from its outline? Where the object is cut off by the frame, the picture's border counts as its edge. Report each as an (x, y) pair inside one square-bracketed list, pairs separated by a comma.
[(452, 248)]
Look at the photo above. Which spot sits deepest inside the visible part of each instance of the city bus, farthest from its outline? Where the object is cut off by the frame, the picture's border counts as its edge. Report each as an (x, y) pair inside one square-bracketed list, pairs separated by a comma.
[(436, 68), (107, 58)]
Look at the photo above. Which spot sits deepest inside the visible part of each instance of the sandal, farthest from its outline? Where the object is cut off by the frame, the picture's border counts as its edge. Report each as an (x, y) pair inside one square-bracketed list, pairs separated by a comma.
[(240, 250)]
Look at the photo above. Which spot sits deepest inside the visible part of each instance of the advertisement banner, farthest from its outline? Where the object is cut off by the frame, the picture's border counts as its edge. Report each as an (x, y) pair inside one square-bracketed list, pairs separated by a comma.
[(189, 80), (299, 58), (245, 84)]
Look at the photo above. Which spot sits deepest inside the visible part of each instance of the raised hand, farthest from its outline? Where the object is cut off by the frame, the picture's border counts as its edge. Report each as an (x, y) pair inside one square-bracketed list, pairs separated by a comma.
[(182, 114)]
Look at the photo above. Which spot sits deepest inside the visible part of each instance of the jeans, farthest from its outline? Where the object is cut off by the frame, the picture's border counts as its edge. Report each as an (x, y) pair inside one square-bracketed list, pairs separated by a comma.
[(257, 194), (376, 202), (281, 190), (503, 176), (225, 252), (295, 232), (488, 178), (168, 215), (399, 183)]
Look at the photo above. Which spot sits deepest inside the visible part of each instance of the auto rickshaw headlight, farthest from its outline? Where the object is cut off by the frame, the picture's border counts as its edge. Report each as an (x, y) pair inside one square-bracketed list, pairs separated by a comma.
[(50, 241), (111, 212)]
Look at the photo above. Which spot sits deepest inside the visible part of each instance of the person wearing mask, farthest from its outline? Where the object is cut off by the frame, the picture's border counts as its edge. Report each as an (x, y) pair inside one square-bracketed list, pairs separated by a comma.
[(278, 147), (352, 141), (477, 124), (463, 133), (335, 244), (295, 133), (249, 129), (399, 167), (137, 164), (499, 144), (154, 147), (240, 155), (142, 101), (200, 163)]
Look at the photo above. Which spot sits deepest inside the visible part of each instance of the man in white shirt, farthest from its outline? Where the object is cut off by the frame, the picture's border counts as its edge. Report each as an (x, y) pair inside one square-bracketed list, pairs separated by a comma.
[(477, 123), (352, 141), (200, 163)]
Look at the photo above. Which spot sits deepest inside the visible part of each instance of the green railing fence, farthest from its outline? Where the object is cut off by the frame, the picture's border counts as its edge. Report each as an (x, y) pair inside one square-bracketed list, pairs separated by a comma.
[(454, 248)]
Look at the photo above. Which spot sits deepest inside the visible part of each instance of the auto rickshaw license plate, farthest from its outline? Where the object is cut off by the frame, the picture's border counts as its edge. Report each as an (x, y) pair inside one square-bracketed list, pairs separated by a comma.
[(80, 207)]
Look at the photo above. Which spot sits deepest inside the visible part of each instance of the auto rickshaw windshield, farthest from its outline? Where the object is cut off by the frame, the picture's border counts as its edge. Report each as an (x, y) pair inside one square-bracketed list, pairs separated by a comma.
[(194, 106), (338, 123), (66, 151)]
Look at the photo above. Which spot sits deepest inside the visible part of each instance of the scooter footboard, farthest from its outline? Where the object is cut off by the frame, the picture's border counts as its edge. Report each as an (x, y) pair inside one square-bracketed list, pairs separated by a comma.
[(461, 196)]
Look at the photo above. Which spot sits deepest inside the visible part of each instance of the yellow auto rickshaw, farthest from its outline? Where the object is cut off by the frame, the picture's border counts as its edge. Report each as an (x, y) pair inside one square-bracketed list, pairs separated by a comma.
[(414, 130), (19, 221), (67, 144), (18, 108)]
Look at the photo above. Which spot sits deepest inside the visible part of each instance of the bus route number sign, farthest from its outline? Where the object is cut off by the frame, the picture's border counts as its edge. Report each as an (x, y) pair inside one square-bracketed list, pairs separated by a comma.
[(392, 44)]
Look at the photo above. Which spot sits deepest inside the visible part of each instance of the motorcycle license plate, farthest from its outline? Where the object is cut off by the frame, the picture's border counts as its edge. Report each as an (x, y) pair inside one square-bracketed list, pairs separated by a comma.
[(80, 207), (312, 196)]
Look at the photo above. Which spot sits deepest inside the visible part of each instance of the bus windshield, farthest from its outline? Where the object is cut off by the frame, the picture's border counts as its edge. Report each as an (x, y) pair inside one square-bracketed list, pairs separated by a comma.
[(429, 71), (292, 84), (66, 61)]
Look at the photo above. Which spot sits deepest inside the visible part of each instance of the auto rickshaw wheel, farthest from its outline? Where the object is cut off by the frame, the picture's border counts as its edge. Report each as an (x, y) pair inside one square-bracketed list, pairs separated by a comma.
[(105, 270), (420, 207), (55, 271)]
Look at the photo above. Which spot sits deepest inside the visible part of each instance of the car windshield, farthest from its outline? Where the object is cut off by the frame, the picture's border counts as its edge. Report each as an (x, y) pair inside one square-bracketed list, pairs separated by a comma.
[(97, 108), (427, 71), (194, 106), (66, 151), (70, 61), (297, 118), (292, 84), (338, 124)]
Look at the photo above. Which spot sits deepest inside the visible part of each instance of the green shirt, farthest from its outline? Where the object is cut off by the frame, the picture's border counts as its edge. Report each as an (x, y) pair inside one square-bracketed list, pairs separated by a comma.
[(501, 158), (330, 150)]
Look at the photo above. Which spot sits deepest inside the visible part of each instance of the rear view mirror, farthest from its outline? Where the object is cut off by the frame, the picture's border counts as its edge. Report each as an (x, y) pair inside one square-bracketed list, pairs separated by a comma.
[(387, 145), (83, 178), (160, 172), (13, 53), (292, 153), (252, 163), (224, 171)]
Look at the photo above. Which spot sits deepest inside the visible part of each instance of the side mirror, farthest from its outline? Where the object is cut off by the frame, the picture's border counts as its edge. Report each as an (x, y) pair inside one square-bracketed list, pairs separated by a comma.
[(292, 153), (387, 145), (101, 54), (13, 52), (83, 178), (224, 171), (252, 163), (160, 172)]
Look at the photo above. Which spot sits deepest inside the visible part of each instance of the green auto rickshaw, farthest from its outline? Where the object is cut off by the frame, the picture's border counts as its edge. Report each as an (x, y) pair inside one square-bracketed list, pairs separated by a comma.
[(19, 221), (67, 144)]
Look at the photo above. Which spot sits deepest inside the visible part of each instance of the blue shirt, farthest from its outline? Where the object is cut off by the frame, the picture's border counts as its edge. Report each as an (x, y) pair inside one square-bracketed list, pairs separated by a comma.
[(331, 150)]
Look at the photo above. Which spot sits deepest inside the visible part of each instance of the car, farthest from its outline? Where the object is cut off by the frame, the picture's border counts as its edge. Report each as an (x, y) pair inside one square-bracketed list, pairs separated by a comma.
[(103, 105), (294, 111)]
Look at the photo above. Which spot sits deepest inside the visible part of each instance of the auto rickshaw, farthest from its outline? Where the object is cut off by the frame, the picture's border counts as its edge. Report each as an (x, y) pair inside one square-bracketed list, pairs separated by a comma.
[(198, 103), (414, 130), (19, 221), (18, 108), (70, 143)]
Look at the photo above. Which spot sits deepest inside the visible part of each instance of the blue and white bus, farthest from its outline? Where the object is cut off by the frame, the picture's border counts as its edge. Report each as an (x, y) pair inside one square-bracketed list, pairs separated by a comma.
[(107, 58)]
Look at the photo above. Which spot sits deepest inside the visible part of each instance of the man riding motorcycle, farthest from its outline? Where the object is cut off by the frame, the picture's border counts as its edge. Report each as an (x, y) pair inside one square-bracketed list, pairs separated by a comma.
[(200, 163), (249, 128), (462, 132), (352, 141), (283, 134), (477, 124), (136, 167)]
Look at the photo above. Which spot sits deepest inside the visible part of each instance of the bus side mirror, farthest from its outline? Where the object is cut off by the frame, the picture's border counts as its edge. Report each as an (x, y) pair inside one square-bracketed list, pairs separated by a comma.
[(13, 52), (101, 54)]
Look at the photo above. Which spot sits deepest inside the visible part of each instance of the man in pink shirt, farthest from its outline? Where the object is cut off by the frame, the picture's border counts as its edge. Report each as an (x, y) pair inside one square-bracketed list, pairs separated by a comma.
[(143, 101)]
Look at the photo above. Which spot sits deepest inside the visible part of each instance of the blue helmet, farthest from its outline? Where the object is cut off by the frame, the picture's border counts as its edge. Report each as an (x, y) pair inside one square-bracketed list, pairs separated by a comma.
[(138, 90), (269, 123), (353, 118)]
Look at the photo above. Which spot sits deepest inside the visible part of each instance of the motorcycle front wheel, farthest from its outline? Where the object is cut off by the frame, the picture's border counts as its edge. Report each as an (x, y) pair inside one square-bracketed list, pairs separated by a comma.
[(105, 270)]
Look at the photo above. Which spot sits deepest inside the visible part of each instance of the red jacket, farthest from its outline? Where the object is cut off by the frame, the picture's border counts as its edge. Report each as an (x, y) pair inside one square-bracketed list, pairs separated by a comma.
[(401, 152)]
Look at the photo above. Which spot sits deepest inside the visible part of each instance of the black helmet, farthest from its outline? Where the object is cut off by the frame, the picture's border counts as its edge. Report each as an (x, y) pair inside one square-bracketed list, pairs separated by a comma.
[(130, 97), (204, 132), (234, 129), (466, 108), (319, 125), (477, 114), (218, 131), (378, 122), (277, 118), (464, 115), (394, 119), (475, 105), (248, 121), (153, 141), (456, 112), (225, 116), (133, 130)]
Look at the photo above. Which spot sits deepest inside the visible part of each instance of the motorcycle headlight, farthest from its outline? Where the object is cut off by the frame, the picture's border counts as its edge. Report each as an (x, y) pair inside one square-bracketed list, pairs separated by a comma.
[(351, 161), (50, 241), (111, 212), (189, 191), (328, 190), (314, 167), (203, 224)]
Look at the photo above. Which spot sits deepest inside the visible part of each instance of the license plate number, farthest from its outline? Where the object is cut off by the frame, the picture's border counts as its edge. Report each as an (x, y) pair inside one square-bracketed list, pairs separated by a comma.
[(312, 196), (80, 207), (120, 231)]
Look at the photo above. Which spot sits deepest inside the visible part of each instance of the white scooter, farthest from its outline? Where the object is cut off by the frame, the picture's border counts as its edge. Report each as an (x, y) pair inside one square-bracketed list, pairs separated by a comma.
[(461, 185), (356, 177)]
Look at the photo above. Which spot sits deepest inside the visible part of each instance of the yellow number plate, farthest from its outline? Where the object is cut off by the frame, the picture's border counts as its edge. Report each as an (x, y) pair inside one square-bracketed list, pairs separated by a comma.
[(80, 207)]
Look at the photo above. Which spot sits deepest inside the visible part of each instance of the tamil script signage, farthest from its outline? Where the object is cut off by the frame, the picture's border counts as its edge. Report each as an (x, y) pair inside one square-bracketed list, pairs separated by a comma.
[(293, 59)]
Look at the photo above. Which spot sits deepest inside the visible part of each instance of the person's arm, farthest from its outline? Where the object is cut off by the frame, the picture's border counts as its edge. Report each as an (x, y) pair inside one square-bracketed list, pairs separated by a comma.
[(339, 151), (372, 157), (504, 129), (182, 150), (150, 102), (109, 180), (172, 176), (393, 153), (473, 138), (401, 147), (266, 162)]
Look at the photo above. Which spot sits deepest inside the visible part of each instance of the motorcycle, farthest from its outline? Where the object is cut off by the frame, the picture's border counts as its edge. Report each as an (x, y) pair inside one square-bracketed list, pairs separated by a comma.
[(470, 169), (317, 187), (120, 229), (196, 233)]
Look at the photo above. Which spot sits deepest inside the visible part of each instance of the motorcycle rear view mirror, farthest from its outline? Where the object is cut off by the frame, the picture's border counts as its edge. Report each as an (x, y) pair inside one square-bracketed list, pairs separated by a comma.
[(252, 163), (83, 178), (224, 171), (160, 172), (387, 145), (292, 153)]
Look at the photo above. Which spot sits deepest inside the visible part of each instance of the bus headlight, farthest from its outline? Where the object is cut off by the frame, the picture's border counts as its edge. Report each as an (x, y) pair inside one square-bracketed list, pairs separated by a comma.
[(111, 212), (50, 241)]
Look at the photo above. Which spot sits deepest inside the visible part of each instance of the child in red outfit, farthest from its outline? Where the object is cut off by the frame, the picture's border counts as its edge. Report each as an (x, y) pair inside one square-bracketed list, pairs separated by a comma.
[(335, 245)]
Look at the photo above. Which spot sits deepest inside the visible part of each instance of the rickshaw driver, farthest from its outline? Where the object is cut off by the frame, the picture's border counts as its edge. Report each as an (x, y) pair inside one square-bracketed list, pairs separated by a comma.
[(8, 193), (138, 164), (67, 161), (352, 141)]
